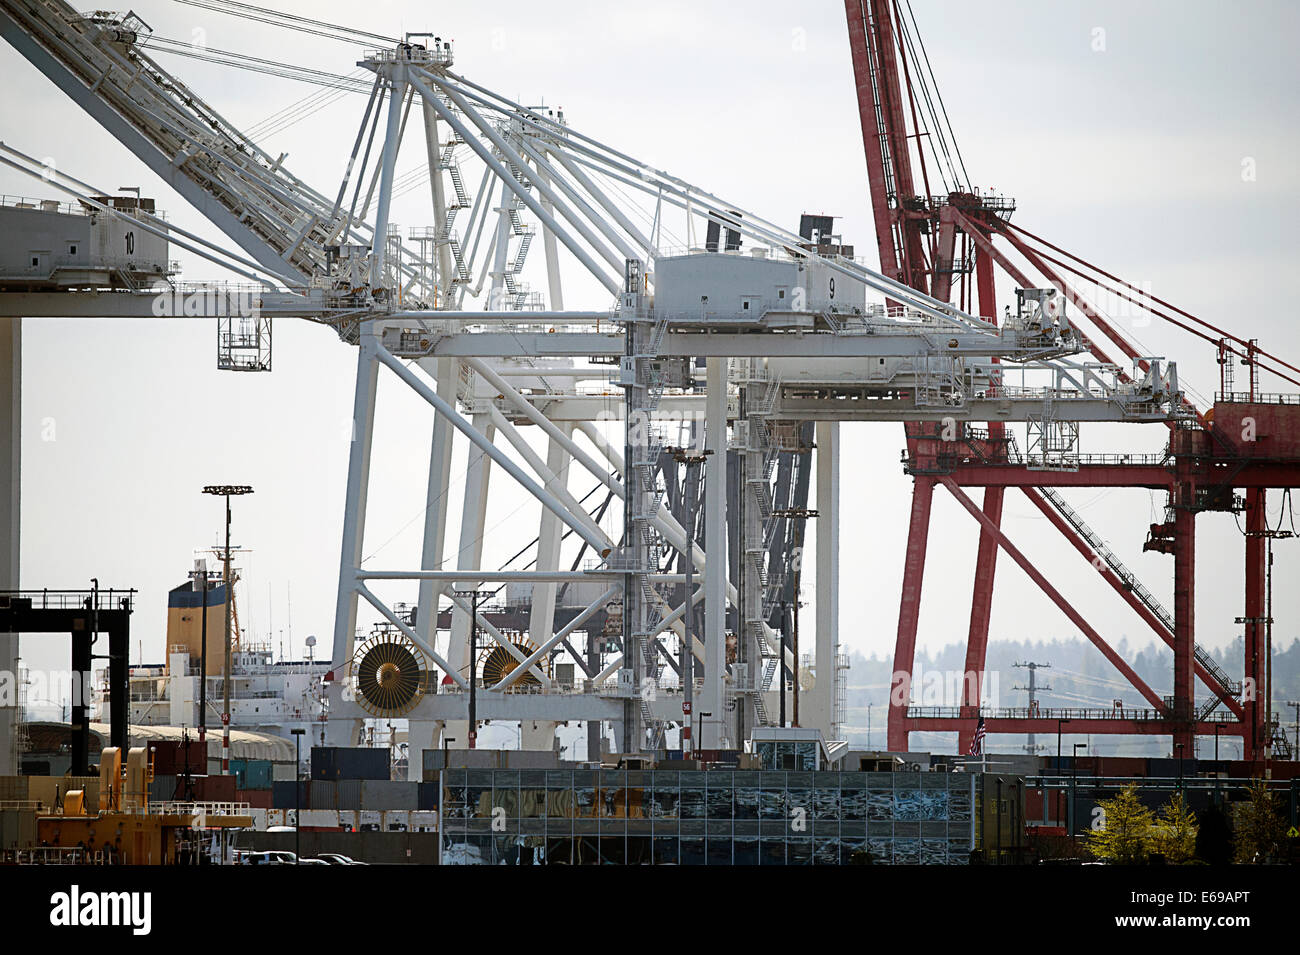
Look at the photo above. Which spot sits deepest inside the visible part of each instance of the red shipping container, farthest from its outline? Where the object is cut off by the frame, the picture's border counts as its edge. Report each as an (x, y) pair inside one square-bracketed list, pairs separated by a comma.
[(256, 798), (214, 788), (169, 757)]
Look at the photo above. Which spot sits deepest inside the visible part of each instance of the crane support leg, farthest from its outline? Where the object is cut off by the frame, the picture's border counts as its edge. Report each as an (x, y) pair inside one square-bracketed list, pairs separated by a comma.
[(1184, 620), (1256, 660), (977, 639), (909, 610)]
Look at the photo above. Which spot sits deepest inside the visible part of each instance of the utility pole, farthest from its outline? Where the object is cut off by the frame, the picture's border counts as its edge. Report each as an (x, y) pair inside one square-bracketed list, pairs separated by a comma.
[(225, 490), (1031, 747), (474, 596), (1295, 753)]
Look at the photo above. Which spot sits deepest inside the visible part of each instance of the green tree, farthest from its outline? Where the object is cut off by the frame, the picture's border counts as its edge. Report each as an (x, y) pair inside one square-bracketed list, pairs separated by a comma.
[(1125, 838), (1174, 835), (1260, 828)]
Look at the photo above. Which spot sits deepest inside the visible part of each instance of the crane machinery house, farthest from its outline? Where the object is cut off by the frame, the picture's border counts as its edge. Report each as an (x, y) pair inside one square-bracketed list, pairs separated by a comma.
[(46, 244)]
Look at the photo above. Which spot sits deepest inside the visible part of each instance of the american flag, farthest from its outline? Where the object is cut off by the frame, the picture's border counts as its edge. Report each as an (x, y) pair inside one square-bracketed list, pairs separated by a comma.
[(977, 744)]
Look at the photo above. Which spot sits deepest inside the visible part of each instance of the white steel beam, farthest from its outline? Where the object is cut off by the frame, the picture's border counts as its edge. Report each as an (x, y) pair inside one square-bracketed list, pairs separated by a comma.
[(551, 479), (411, 635), (526, 197), (827, 529), (354, 509), (541, 619), (473, 521), (555, 640), (392, 142), (712, 696), (446, 373)]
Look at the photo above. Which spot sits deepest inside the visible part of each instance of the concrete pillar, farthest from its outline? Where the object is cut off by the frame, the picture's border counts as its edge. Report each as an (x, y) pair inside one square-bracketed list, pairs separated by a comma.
[(712, 695)]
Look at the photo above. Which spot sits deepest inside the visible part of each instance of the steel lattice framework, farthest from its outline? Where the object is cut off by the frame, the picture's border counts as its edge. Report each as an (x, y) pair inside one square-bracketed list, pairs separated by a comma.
[(757, 384)]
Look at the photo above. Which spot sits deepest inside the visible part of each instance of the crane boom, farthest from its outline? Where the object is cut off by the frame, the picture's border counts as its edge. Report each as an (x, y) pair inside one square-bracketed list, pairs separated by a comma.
[(884, 135), (97, 60)]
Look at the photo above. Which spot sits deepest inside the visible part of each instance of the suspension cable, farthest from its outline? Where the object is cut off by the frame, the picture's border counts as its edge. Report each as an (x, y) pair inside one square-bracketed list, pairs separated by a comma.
[(289, 21)]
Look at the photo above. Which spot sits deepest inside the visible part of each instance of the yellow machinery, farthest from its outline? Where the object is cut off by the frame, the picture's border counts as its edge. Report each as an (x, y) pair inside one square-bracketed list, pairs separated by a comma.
[(126, 829)]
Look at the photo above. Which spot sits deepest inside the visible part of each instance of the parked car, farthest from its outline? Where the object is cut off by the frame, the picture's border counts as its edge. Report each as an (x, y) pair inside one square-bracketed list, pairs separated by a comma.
[(270, 857), (337, 858)]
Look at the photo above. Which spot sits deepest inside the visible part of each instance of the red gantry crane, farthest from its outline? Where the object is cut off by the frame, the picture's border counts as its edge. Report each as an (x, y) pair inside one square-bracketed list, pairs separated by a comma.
[(943, 244)]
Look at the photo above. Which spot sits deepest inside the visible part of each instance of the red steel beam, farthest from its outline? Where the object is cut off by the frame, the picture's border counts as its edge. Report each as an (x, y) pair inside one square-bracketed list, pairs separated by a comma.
[(1256, 658), (1184, 614), (909, 610), (1130, 598), (1154, 476), (1260, 474), (986, 555), (1055, 595), (874, 138), (1095, 726)]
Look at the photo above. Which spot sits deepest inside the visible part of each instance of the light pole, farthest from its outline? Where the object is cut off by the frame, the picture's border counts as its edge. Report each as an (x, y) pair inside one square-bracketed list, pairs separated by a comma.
[(297, 795), (1074, 782), (1059, 722), (473, 595), (224, 490)]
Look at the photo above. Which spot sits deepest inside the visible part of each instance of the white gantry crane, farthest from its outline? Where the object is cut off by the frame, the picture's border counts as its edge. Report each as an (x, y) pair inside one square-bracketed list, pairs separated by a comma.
[(727, 348)]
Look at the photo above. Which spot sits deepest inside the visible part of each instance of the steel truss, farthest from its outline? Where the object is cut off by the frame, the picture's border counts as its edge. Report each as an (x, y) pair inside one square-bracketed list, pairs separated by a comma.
[(753, 385)]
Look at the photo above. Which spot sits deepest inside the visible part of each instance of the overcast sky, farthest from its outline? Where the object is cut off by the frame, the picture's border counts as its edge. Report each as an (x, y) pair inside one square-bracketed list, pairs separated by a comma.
[(1120, 128)]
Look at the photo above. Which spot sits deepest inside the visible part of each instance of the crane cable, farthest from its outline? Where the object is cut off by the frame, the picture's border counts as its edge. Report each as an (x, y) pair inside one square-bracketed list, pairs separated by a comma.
[(331, 31)]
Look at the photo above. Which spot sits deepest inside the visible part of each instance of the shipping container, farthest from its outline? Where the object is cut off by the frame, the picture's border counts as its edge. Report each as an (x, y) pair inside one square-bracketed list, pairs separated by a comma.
[(1171, 767), (349, 762), (320, 820), (162, 789), (424, 822), (324, 794), (256, 798), (251, 773), (426, 796), (349, 794), (215, 788), (282, 794), (388, 794), (169, 757), (17, 828)]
